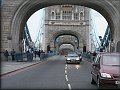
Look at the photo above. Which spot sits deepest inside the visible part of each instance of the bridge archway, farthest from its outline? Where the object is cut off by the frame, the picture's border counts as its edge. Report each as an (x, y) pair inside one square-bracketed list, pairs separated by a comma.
[(28, 7), (67, 48), (64, 50), (67, 32), (67, 43)]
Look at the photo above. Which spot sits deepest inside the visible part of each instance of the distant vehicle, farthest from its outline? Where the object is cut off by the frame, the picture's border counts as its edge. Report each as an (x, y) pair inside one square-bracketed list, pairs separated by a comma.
[(80, 55), (106, 70), (72, 57)]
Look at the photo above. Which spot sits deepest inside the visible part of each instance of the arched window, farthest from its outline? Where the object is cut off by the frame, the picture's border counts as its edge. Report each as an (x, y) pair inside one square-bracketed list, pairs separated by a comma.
[(52, 15), (81, 15)]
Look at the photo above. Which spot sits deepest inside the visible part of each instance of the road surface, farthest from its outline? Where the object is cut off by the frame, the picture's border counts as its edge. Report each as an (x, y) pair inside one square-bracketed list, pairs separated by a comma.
[(51, 74)]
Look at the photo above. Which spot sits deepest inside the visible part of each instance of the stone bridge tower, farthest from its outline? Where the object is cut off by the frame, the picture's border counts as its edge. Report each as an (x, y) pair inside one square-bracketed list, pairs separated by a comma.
[(15, 13), (61, 20)]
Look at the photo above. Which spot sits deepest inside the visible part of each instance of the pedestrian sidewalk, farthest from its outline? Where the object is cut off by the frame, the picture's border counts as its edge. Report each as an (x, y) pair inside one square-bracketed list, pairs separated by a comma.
[(11, 66)]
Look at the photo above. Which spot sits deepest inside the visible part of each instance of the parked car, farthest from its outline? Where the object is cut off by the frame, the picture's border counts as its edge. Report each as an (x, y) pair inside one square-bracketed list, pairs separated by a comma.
[(72, 57), (106, 70)]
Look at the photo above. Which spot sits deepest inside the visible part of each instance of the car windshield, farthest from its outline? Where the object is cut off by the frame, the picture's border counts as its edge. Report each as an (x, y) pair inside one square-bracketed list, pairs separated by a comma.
[(111, 60), (72, 55)]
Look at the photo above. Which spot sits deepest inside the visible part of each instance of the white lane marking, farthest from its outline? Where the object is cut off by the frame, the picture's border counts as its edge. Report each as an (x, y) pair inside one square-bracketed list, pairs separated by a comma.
[(66, 77), (66, 65), (69, 86), (65, 71), (65, 68)]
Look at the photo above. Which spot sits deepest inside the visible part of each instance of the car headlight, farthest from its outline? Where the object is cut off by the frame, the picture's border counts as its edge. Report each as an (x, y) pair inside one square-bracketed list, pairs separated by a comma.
[(77, 58), (68, 58), (106, 75)]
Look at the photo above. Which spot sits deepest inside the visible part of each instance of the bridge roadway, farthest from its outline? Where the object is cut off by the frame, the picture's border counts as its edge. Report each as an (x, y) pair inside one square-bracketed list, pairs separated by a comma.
[(53, 73)]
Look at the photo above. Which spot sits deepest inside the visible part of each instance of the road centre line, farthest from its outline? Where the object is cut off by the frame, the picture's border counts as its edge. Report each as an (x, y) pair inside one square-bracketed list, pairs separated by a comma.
[(66, 77), (65, 68), (66, 65), (65, 71), (69, 86)]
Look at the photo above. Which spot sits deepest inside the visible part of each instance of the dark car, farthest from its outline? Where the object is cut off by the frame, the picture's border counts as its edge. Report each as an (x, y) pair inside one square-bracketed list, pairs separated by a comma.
[(106, 70), (72, 57)]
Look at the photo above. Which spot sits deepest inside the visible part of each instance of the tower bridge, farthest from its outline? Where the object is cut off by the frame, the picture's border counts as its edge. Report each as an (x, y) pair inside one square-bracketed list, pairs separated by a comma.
[(15, 13)]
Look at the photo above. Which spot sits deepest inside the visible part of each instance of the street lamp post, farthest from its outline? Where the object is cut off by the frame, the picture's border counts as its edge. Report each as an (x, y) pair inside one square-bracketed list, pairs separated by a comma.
[(75, 45), (111, 46)]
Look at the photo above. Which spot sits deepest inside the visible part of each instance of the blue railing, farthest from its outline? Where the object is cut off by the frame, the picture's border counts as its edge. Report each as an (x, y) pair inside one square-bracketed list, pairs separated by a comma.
[(88, 56), (30, 56), (26, 35), (105, 40), (26, 56)]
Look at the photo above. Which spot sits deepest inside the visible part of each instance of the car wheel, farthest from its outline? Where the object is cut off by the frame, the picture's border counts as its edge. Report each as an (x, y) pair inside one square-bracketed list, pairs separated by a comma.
[(99, 84), (92, 80)]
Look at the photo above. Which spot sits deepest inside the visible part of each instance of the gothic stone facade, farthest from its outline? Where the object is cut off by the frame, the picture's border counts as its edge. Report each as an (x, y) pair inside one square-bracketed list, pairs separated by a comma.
[(67, 20)]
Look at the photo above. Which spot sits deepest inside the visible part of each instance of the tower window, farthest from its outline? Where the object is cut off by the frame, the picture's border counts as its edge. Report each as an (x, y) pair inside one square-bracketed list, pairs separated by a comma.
[(52, 15), (57, 15), (67, 15), (81, 16), (76, 16)]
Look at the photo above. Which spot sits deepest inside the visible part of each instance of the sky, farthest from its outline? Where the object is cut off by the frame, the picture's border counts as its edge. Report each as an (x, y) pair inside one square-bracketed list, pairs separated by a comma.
[(100, 22), (35, 21)]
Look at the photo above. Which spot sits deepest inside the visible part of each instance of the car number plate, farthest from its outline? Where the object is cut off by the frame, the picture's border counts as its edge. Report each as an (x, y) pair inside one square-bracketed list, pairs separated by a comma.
[(117, 82)]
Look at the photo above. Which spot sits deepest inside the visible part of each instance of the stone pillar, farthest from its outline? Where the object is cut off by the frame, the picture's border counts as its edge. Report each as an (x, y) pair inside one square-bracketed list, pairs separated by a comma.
[(61, 15), (52, 45), (72, 15), (118, 47), (116, 4)]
